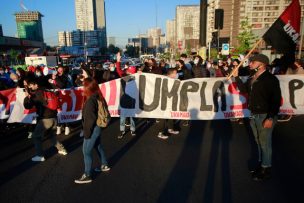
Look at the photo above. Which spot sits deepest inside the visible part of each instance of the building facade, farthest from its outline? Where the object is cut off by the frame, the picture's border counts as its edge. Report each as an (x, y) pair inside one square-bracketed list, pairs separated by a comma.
[(171, 34), (187, 27), (261, 15), (90, 16), (29, 25), (65, 38)]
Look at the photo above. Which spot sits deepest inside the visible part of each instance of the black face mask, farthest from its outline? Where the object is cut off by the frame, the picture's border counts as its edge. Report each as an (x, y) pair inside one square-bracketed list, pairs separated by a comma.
[(253, 71)]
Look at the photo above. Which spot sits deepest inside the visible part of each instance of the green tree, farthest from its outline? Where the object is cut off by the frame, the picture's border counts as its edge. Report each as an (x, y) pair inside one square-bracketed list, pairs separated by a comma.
[(213, 53), (14, 56), (132, 51), (246, 38), (112, 49)]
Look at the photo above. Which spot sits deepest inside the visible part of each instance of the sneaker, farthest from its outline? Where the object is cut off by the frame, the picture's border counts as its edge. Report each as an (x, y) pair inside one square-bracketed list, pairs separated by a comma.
[(105, 168), (127, 124), (66, 131), (122, 134), (186, 123), (58, 132), (174, 132), (29, 135), (162, 136), (262, 174), (133, 133), (62, 152), (38, 158), (157, 120), (84, 179)]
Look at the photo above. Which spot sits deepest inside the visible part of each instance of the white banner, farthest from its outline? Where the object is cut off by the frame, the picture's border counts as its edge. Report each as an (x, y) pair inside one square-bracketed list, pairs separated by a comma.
[(155, 96)]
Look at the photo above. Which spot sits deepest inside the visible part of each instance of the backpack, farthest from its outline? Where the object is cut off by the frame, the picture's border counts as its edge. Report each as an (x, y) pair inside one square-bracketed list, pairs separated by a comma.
[(51, 100), (104, 115)]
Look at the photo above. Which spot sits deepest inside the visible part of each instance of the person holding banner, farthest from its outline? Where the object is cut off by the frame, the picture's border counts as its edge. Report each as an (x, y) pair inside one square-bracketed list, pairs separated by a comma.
[(91, 132), (168, 124), (46, 121), (264, 103)]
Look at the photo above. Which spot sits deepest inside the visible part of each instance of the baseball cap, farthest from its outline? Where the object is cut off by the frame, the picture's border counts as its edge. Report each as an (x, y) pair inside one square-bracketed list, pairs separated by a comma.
[(261, 58)]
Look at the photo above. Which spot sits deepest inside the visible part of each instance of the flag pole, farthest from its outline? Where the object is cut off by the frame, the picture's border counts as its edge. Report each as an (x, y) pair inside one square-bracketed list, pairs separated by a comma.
[(301, 40), (247, 56)]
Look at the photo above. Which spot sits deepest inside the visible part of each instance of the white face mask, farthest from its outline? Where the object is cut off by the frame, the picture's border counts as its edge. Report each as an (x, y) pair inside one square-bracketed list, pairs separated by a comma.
[(112, 69), (196, 61), (15, 80)]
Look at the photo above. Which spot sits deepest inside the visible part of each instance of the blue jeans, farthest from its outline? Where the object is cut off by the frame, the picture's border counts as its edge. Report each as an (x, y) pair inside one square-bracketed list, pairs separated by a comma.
[(87, 148), (263, 138), (123, 122)]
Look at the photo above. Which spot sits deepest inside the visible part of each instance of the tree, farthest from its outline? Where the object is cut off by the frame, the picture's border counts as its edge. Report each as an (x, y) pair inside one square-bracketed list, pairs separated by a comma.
[(246, 38), (112, 49), (14, 55), (132, 51)]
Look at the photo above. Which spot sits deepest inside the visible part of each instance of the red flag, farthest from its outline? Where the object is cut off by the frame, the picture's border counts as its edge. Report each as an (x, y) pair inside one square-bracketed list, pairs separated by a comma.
[(284, 34)]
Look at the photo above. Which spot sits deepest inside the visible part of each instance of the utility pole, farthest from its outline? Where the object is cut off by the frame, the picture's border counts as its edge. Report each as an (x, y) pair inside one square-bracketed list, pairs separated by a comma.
[(203, 22)]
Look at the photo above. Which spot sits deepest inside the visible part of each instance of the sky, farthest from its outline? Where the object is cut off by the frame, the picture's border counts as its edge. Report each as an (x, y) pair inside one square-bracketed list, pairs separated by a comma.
[(124, 18)]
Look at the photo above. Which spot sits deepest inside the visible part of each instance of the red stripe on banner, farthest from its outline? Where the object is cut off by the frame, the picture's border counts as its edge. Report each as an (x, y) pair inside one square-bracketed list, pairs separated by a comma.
[(232, 88), (103, 90), (7, 97), (113, 92)]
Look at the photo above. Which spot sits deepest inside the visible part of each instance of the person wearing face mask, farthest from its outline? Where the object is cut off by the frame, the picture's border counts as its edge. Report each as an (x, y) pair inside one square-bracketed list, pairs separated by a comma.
[(152, 67), (264, 103), (110, 73), (14, 79), (182, 71), (226, 70), (46, 120), (167, 125), (197, 69)]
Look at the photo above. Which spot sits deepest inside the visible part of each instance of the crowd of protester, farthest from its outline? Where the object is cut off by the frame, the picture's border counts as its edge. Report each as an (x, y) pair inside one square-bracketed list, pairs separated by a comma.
[(90, 75)]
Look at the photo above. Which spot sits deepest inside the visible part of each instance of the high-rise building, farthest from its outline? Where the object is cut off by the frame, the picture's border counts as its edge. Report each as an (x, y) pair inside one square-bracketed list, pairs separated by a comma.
[(1, 31), (65, 39), (212, 5), (187, 27), (29, 25), (171, 33), (90, 15), (261, 15), (154, 35), (62, 39), (69, 38)]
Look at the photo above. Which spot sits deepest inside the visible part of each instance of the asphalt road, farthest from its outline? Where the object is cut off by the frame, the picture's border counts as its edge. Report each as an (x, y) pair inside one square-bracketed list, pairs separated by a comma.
[(206, 162)]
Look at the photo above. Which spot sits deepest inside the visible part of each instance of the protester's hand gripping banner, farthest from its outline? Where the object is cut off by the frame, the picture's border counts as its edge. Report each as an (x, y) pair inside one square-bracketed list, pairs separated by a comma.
[(155, 96)]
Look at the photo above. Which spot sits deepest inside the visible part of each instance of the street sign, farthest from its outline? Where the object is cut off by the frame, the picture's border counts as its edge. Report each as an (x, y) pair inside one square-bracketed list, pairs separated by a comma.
[(225, 49)]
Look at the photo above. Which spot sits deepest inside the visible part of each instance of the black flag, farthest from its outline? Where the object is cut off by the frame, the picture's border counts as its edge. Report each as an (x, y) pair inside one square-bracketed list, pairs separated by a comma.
[(284, 34)]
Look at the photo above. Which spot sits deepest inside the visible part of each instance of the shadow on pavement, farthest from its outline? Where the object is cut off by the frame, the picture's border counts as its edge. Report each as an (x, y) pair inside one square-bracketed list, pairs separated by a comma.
[(222, 133), (143, 127), (179, 184)]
